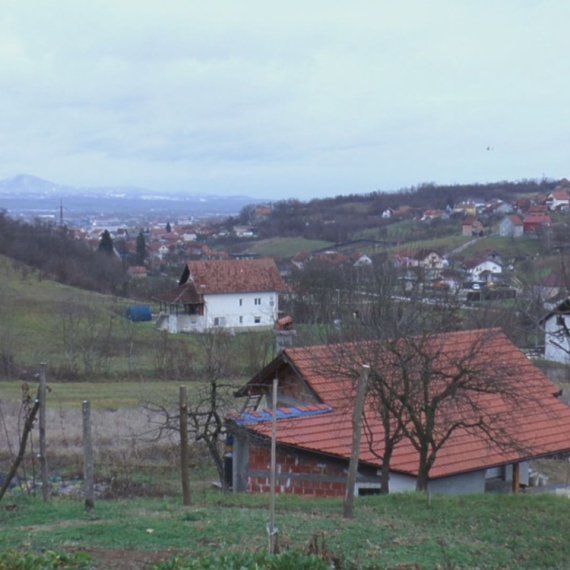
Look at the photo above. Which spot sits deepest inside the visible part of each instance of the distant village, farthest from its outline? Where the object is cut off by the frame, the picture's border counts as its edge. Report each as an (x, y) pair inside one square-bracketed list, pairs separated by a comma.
[(168, 245)]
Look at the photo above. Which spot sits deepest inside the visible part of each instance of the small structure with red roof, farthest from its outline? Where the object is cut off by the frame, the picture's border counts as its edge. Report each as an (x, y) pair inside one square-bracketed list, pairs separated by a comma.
[(536, 222), (472, 226), (314, 420)]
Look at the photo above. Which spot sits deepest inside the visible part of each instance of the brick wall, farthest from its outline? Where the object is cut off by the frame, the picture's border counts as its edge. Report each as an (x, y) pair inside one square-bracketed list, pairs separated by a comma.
[(297, 473)]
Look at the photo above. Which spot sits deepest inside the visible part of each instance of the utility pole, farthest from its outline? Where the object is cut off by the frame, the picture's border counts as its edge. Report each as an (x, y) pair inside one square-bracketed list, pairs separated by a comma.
[(184, 472), (43, 451), (355, 452), (88, 458)]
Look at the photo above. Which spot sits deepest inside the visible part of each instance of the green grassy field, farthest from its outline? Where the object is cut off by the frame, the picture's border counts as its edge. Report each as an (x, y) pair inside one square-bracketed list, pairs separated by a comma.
[(85, 336), (102, 395), (286, 247), (477, 531), (507, 247)]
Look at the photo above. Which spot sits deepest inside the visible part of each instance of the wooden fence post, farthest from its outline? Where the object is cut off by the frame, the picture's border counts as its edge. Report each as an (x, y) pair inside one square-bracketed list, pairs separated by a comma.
[(355, 452), (272, 529), (43, 444), (88, 458), (184, 471)]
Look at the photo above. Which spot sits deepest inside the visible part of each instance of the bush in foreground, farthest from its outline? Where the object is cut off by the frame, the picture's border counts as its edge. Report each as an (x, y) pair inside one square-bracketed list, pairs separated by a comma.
[(14, 560)]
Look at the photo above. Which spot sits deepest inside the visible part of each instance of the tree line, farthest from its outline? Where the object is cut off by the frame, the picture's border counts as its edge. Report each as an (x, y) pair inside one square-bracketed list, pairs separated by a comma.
[(54, 252), (340, 218)]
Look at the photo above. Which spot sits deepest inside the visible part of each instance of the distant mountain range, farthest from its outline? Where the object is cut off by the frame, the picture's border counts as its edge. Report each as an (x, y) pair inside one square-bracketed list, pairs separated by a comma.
[(28, 195)]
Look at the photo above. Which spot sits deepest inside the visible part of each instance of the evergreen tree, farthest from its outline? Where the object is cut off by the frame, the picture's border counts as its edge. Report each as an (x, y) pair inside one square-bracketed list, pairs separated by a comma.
[(141, 248), (106, 243), (168, 227)]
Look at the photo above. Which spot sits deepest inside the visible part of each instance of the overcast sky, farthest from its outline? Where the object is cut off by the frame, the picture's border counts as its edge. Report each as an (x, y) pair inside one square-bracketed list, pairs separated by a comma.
[(283, 99)]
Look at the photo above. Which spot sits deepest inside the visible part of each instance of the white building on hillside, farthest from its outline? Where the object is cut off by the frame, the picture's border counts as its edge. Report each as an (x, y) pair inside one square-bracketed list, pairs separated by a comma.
[(229, 294), (556, 326)]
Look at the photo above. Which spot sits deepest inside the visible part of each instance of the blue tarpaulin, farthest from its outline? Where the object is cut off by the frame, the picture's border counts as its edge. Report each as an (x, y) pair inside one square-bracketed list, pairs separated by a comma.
[(139, 313)]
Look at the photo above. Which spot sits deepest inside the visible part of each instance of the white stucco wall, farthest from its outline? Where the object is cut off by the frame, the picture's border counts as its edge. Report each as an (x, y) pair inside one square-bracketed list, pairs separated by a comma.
[(463, 483), (228, 310), (486, 266), (556, 346), (508, 229), (402, 483), (472, 482)]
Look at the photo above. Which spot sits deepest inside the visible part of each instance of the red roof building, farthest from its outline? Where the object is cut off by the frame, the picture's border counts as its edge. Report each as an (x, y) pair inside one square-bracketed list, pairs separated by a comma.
[(534, 222), (316, 399), (231, 294)]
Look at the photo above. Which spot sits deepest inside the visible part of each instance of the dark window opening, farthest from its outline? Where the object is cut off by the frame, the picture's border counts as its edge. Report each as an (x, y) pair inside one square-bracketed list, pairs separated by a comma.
[(363, 492)]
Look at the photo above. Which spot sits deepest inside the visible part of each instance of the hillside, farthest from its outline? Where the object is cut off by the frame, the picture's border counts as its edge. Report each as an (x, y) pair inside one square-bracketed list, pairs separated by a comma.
[(85, 335), (343, 218), (46, 321)]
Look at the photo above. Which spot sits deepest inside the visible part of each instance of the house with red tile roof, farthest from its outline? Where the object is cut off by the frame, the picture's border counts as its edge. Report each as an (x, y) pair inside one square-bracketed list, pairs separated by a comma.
[(137, 271), (471, 226), (233, 294), (558, 199), (535, 222), (476, 266), (300, 259), (315, 402)]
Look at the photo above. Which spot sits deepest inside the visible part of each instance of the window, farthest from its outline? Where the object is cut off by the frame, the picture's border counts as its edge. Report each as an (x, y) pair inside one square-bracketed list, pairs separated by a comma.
[(240, 302), (257, 301), (256, 320), (241, 320), (219, 321)]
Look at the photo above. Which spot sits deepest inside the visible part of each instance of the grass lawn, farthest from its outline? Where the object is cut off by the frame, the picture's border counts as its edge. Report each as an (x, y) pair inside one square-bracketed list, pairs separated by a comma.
[(85, 335), (286, 247), (507, 247), (477, 531), (102, 395)]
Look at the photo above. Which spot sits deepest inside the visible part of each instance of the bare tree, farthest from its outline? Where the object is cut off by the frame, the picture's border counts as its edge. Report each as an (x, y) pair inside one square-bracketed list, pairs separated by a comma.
[(441, 381), (423, 387), (209, 401)]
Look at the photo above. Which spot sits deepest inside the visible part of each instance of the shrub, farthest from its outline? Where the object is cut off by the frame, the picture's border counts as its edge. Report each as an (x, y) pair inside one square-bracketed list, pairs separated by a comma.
[(14, 560)]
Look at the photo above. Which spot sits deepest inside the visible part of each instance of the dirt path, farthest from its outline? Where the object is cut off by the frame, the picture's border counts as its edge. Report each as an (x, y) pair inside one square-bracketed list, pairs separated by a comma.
[(118, 559)]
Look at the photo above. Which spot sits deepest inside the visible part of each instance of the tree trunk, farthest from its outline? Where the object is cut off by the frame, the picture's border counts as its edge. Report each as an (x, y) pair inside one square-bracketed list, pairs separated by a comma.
[(423, 470), (28, 425), (385, 475), (218, 461)]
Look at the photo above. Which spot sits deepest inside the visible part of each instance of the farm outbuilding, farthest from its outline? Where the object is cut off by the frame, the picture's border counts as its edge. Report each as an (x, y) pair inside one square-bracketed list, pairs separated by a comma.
[(314, 428)]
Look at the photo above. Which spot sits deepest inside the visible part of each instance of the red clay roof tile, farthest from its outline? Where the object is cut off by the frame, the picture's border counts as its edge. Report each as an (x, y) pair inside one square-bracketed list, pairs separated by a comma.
[(538, 424), (234, 276)]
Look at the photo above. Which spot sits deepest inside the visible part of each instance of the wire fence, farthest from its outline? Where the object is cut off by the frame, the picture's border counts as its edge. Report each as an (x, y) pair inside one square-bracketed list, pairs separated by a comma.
[(132, 454)]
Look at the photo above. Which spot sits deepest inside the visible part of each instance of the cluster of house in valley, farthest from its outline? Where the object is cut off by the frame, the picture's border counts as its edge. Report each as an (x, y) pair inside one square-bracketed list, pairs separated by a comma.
[(521, 217)]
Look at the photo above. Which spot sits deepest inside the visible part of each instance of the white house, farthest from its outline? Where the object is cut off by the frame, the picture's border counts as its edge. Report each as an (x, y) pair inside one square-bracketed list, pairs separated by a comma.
[(227, 294), (511, 226), (476, 266), (556, 326), (361, 260), (558, 200), (428, 259)]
